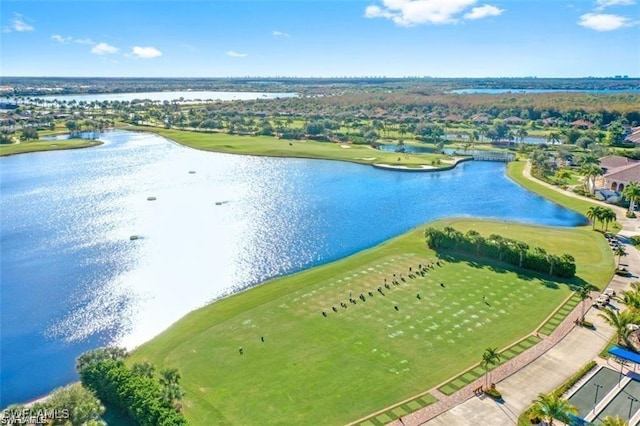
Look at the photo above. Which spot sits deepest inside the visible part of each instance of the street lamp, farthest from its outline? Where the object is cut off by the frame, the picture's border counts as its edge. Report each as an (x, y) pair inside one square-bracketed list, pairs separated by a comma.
[(622, 364), (595, 400), (631, 401)]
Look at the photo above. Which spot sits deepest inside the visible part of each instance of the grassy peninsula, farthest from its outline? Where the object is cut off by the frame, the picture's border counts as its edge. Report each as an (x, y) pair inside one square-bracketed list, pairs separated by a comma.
[(38, 146), (298, 366), (274, 147)]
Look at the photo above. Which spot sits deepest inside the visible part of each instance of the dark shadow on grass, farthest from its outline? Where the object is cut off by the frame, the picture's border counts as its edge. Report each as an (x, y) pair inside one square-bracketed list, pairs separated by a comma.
[(502, 268)]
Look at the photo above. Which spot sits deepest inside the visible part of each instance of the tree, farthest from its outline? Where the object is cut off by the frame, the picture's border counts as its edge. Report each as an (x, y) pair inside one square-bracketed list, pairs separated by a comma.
[(72, 126), (590, 172), (491, 356), (521, 134), (99, 355), (614, 421), (29, 133), (632, 194), (551, 406), (145, 369), (563, 175), (607, 216), (553, 138), (619, 321), (584, 293), (620, 252), (593, 214), (521, 248), (476, 239), (83, 406), (170, 382)]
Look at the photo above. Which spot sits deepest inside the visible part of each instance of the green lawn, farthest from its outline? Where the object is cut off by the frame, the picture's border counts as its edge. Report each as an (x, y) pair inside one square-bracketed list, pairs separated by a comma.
[(312, 369), (274, 147), (35, 146)]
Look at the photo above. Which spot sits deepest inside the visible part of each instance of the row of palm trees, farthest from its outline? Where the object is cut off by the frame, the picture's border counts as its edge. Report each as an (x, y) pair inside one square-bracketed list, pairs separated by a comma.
[(605, 215)]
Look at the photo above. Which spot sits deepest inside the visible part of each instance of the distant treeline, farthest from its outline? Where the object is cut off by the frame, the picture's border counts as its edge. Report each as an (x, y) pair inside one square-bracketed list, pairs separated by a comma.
[(513, 252), (30, 86)]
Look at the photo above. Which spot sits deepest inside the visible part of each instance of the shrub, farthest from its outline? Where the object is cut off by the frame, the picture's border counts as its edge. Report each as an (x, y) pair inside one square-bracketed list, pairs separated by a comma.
[(586, 324), (493, 393), (631, 215)]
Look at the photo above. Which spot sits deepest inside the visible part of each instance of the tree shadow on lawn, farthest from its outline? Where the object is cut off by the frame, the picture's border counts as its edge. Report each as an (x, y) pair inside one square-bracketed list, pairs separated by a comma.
[(498, 267)]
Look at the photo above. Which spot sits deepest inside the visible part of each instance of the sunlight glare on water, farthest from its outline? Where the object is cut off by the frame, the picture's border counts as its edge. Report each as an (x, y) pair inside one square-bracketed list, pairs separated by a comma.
[(73, 280)]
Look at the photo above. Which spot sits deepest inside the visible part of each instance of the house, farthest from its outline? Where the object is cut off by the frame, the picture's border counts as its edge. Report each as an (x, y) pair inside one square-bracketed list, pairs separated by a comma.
[(514, 120), (619, 172), (634, 136), (481, 118), (582, 124)]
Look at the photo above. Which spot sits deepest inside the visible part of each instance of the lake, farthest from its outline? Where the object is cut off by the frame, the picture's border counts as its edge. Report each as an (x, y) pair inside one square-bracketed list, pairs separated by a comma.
[(72, 279), (187, 95)]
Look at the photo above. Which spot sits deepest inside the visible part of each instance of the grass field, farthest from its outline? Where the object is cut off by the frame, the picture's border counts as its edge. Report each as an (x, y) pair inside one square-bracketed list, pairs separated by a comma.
[(36, 146), (312, 369), (274, 147)]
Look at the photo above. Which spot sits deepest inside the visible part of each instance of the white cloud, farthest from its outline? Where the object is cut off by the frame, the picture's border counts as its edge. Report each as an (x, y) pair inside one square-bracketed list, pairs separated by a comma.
[(61, 39), (18, 24), (104, 49), (407, 13), (236, 54), (145, 52), (606, 3), (84, 41), (280, 34), (603, 21), (483, 12)]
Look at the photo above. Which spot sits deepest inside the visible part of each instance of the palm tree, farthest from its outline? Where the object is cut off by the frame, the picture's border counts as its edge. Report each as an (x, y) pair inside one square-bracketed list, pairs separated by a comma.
[(590, 172), (522, 133), (145, 369), (632, 194), (553, 138), (593, 214), (553, 261), (476, 239), (169, 380), (563, 175), (619, 321), (614, 421), (584, 293), (620, 252), (491, 356), (551, 406), (631, 299), (521, 248), (607, 217)]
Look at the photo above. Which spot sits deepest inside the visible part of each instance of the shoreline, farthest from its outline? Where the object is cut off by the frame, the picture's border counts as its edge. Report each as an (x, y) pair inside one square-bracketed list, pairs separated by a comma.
[(355, 160), (235, 293), (57, 146)]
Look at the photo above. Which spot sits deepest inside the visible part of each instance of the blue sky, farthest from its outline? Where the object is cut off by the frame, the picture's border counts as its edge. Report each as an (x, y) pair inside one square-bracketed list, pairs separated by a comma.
[(304, 38)]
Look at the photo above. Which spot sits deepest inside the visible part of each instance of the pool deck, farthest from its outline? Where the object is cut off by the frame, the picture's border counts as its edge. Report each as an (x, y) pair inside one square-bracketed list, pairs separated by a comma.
[(540, 369)]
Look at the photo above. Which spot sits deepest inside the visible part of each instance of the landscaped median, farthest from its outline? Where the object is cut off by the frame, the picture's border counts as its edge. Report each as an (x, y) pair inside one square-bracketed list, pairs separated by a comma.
[(334, 344)]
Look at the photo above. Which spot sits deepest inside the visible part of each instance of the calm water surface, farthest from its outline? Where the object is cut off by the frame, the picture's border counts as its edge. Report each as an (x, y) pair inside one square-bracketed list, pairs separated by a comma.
[(186, 95), (73, 280)]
